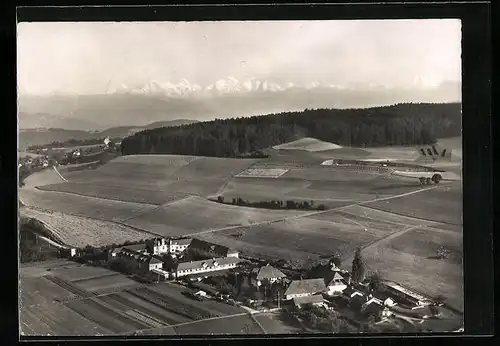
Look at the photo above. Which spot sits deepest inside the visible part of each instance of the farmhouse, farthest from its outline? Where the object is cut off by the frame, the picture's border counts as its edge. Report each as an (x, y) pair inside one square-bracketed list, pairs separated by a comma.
[(336, 283), (200, 249), (266, 275), (304, 288), (137, 259), (315, 300), (405, 296), (204, 266)]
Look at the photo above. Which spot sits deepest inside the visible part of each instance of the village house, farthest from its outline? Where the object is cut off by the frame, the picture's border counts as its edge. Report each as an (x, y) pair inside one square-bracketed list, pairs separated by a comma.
[(203, 266), (304, 288), (336, 283), (314, 300), (374, 307), (200, 249), (136, 259), (266, 275)]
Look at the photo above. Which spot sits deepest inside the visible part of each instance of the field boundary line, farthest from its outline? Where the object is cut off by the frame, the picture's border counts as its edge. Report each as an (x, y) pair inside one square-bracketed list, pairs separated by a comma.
[(197, 321), (412, 217), (309, 214), (157, 207), (59, 174), (258, 323), (40, 188)]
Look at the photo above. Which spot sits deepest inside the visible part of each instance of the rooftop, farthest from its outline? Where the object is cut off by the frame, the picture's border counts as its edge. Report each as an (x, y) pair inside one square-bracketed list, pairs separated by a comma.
[(406, 291), (269, 272), (310, 286), (207, 263), (315, 299), (184, 241)]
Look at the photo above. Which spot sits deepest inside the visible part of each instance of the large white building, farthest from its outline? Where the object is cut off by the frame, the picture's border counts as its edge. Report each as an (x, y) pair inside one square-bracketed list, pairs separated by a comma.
[(304, 288), (205, 266)]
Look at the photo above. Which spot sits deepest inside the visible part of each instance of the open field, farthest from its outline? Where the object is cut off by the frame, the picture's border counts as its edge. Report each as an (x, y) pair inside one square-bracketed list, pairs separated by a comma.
[(307, 144), (273, 323), (430, 276), (117, 193), (162, 172), (96, 208), (81, 231), (44, 177), (57, 320), (40, 290), (231, 325), (107, 284), (81, 272), (106, 316), (305, 238), (194, 214), (442, 204)]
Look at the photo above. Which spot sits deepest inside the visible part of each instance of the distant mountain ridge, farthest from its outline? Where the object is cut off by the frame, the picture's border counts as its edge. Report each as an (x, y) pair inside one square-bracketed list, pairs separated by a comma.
[(223, 99), (41, 136)]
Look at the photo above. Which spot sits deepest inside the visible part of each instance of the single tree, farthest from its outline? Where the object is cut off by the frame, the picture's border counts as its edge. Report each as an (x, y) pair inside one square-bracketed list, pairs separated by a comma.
[(358, 266)]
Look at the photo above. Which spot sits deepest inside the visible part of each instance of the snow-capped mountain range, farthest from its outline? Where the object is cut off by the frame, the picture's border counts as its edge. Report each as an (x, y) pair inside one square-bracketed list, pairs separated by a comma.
[(222, 86)]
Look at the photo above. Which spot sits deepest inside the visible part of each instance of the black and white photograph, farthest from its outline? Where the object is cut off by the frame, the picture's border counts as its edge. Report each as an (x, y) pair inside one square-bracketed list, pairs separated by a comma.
[(187, 178)]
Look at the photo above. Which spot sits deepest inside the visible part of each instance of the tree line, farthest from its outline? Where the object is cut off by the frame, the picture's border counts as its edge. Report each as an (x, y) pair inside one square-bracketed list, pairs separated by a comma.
[(272, 204), (401, 124)]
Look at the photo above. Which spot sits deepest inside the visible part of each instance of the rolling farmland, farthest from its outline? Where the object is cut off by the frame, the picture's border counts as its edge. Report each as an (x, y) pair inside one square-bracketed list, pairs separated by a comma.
[(91, 207), (167, 195), (442, 204), (193, 215), (303, 239), (116, 193), (81, 231)]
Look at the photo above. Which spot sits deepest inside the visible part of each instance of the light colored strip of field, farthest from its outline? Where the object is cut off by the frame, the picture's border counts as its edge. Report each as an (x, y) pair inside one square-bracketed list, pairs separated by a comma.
[(262, 173)]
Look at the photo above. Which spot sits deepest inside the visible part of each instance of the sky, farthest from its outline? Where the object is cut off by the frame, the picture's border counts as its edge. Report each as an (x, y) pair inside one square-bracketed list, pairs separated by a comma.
[(92, 57)]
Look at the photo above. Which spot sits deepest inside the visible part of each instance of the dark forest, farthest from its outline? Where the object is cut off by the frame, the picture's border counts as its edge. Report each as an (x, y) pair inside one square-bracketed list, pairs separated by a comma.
[(401, 124)]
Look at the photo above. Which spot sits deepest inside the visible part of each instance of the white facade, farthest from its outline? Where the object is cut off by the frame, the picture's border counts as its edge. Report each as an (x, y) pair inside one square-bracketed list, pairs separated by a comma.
[(336, 289), (160, 247), (233, 254), (205, 268), (155, 266)]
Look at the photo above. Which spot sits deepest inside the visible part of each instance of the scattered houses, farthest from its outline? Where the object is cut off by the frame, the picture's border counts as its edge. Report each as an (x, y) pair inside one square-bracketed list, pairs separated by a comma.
[(304, 288)]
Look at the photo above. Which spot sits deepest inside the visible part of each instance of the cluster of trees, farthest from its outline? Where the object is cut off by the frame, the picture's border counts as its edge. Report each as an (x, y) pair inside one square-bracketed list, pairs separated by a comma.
[(30, 251), (290, 204), (322, 319), (401, 124)]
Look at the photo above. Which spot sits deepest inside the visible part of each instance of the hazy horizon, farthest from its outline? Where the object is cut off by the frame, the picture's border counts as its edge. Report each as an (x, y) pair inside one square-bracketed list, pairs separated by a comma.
[(93, 58)]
